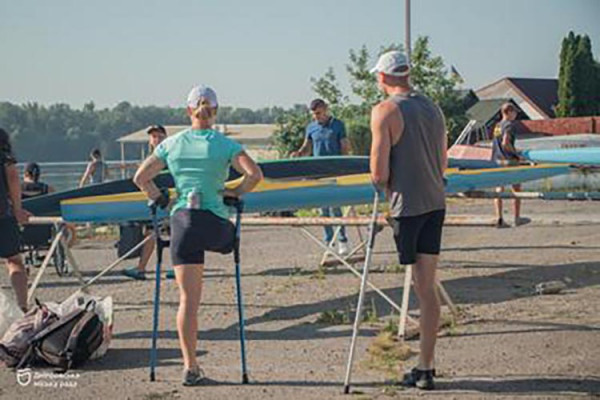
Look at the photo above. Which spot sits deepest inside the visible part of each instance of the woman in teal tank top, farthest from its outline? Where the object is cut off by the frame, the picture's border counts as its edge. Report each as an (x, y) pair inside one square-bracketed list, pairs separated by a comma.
[(199, 159)]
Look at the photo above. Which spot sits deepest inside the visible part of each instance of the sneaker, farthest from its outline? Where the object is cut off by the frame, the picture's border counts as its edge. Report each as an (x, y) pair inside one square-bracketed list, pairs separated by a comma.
[(193, 377), (343, 248), (500, 223), (135, 273), (521, 221), (170, 274), (420, 379)]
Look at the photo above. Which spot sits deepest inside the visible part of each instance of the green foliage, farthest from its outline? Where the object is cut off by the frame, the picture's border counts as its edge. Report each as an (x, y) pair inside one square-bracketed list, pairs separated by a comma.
[(290, 131), (578, 78), (61, 133), (429, 75), (358, 132)]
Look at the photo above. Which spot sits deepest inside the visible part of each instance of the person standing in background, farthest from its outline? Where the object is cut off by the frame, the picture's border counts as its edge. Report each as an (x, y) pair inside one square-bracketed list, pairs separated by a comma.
[(11, 215), (326, 136)]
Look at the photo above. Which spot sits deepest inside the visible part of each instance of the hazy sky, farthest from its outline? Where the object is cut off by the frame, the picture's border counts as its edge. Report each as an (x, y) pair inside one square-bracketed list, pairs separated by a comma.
[(260, 52)]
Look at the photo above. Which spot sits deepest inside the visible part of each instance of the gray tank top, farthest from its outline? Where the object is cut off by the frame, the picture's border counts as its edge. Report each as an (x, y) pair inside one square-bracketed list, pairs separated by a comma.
[(416, 161), (98, 175)]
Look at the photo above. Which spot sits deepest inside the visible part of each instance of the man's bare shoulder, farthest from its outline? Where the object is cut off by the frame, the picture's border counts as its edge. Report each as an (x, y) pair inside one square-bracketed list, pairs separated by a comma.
[(385, 108)]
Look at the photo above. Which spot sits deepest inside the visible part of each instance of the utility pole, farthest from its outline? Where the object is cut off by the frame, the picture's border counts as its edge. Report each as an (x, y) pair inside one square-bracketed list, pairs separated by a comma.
[(407, 29)]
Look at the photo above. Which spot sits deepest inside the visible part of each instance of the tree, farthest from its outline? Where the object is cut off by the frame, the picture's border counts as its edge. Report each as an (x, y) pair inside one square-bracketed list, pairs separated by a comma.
[(578, 78), (429, 75)]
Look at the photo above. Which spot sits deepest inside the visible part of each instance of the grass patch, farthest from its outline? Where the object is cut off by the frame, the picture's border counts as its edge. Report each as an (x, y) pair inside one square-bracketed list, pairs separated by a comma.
[(387, 354), (334, 317), (308, 213), (394, 269)]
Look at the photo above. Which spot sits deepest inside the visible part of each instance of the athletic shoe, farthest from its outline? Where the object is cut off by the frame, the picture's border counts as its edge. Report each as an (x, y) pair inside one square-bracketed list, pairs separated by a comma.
[(500, 223), (193, 377), (420, 379), (135, 273), (343, 248), (522, 221), (170, 274)]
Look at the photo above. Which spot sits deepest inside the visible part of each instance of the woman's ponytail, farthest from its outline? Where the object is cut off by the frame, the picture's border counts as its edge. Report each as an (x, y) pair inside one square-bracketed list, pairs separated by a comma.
[(204, 112)]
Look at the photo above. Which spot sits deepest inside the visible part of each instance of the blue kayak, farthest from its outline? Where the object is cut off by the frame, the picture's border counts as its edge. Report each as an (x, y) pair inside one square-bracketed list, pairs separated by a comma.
[(277, 195)]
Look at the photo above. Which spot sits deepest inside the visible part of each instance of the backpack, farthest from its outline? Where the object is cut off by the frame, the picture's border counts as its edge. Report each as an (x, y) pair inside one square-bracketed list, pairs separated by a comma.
[(67, 342), (15, 342)]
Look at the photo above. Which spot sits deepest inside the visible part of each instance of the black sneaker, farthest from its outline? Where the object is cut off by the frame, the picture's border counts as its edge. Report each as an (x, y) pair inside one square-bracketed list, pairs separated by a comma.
[(420, 379), (500, 223)]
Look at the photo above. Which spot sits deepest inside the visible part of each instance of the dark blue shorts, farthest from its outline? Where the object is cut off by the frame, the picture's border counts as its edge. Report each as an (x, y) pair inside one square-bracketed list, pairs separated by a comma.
[(420, 234), (10, 237), (195, 231)]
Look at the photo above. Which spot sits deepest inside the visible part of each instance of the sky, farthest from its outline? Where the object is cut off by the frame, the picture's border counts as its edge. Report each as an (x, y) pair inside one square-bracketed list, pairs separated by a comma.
[(261, 53)]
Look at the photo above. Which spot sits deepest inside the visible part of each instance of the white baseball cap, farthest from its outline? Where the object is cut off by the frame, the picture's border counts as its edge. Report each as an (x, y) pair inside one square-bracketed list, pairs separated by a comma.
[(199, 92), (394, 63)]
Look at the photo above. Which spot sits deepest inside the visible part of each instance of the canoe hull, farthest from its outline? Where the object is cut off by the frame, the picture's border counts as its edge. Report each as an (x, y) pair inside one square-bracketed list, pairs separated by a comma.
[(278, 196)]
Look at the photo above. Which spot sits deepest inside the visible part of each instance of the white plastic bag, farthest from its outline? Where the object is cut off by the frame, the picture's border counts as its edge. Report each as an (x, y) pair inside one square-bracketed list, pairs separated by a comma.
[(9, 311), (104, 309)]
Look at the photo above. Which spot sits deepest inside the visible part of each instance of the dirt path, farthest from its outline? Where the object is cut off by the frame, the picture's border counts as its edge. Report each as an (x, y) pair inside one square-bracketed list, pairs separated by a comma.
[(516, 344)]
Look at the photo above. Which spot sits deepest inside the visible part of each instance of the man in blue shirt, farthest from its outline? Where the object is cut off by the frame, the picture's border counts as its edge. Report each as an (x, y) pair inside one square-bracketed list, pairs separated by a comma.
[(326, 136)]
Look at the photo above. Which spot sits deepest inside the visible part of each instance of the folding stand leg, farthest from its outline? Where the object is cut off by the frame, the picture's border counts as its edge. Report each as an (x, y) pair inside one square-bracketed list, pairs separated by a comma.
[(336, 233), (355, 272), (405, 299), (45, 263), (361, 295), (447, 299)]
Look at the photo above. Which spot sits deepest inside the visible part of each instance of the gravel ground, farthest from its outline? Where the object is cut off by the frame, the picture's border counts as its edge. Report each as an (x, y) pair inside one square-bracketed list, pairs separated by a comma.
[(513, 343)]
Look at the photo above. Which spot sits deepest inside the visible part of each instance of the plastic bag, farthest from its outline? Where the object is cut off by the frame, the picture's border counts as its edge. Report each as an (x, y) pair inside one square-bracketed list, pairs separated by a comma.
[(9, 311), (104, 309)]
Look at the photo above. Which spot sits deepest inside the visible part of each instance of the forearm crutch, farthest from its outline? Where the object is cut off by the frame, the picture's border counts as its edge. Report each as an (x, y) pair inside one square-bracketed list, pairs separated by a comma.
[(363, 286), (239, 207), (160, 245)]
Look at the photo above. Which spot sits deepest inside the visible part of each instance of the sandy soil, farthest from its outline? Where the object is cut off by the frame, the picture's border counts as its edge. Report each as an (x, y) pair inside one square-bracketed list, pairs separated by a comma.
[(513, 343)]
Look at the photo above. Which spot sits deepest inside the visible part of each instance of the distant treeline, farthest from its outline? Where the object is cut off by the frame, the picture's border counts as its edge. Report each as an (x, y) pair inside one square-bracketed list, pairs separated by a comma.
[(61, 133)]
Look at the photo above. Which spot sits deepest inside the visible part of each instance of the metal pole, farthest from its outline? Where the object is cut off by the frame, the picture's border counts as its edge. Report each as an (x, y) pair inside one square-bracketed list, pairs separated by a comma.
[(361, 295), (407, 30), (159, 249)]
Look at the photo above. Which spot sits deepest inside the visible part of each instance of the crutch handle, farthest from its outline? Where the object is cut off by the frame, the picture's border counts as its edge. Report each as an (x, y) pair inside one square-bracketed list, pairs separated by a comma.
[(161, 201), (235, 202)]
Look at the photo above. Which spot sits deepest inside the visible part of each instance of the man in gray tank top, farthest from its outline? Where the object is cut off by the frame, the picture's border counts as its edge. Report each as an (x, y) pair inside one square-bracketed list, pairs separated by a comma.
[(96, 170), (408, 159)]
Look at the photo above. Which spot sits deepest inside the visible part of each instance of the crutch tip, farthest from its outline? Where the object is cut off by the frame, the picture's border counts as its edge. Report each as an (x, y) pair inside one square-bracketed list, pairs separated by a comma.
[(245, 380), (152, 377), (346, 389)]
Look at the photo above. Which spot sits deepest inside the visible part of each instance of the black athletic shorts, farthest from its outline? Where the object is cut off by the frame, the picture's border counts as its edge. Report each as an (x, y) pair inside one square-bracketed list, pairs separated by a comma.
[(195, 231), (10, 237), (420, 234)]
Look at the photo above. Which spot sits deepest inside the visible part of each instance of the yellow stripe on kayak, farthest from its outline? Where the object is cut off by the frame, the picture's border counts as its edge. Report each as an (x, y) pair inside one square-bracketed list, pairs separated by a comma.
[(269, 185), (263, 186)]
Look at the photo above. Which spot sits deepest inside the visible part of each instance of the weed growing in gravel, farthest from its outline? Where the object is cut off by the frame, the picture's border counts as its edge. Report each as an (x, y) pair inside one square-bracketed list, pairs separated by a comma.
[(387, 353)]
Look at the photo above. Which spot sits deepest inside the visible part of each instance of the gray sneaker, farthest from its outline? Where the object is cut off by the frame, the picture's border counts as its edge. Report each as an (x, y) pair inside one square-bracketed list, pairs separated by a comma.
[(193, 377)]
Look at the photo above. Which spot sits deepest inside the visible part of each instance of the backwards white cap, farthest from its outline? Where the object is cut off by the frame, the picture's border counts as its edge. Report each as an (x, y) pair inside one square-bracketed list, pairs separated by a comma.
[(199, 92), (394, 63)]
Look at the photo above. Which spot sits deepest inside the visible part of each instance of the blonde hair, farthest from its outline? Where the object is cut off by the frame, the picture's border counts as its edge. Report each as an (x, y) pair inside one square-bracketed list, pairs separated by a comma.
[(204, 111)]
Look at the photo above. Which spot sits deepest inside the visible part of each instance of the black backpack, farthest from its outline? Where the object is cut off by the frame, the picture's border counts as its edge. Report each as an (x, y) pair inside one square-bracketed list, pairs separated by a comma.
[(68, 342)]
